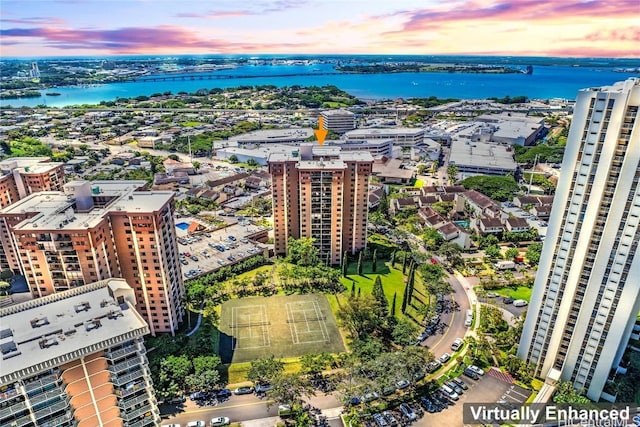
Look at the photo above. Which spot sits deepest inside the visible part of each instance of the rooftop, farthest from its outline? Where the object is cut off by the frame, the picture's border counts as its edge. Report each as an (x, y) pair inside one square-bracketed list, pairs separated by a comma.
[(28, 164), (275, 135), (383, 131), (83, 320), (483, 155), (54, 209)]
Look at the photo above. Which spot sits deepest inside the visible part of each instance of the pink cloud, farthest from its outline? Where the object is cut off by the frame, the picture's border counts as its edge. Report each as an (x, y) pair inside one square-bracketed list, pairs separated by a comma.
[(133, 40)]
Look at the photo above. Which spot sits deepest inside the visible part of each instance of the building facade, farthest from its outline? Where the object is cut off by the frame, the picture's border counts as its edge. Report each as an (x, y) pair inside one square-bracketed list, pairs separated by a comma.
[(94, 231), (322, 194), (339, 121), (76, 358), (587, 294), (22, 176)]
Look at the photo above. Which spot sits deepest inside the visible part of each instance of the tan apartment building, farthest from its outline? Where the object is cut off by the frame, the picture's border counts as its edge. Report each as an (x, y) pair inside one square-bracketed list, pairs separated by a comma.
[(76, 358), (321, 193), (96, 230), (22, 176)]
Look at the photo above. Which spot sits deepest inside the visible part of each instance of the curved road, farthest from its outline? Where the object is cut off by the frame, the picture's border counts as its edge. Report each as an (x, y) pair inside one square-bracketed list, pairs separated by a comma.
[(452, 319)]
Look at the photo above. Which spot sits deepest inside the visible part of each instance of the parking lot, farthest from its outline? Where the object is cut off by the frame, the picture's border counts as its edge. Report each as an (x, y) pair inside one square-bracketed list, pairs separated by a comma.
[(204, 251), (488, 389)]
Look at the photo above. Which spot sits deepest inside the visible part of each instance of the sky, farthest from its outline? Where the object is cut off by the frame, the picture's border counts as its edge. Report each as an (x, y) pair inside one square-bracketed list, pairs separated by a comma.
[(575, 28)]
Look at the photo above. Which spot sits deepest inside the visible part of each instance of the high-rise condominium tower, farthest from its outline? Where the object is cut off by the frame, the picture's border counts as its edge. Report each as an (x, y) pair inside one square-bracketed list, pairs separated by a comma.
[(586, 295), (321, 193), (76, 358), (96, 230)]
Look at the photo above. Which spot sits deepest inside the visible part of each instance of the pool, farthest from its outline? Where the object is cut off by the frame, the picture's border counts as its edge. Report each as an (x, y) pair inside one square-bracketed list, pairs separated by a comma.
[(464, 223), (183, 225)]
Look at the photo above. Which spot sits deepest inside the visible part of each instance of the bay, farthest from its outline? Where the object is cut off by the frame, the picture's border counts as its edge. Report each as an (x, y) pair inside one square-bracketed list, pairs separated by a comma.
[(547, 81)]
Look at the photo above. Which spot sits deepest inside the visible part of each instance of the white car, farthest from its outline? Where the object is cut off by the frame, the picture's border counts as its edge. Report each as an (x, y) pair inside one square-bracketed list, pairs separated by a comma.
[(219, 421), (520, 303), (477, 370), (457, 343), (196, 424), (170, 425)]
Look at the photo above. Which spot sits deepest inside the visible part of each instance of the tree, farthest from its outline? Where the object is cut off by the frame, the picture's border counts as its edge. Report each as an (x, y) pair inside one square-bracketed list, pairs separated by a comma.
[(360, 263), (405, 332), (345, 264), (500, 188), (196, 165), (452, 173), (314, 364), (451, 252), (431, 239), (252, 162), (374, 260), (289, 389), (265, 370), (204, 381), (493, 253), (404, 261), (383, 207), (360, 316), (565, 393), (4, 287), (206, 363), (302, 252), (353, 289), (174, 370), (393, 259), (405, 299), (393, 305), (533, 253), (511, 253), (233, 158), (378, 294)]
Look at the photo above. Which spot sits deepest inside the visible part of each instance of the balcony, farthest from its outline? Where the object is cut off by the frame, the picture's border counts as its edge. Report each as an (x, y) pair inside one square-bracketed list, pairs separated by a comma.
[(66, 420), (50, 410), (137, 413), (42, 382), (127, 364), (46, 396), (14, 409), (125, 404), (122, 380), (116, 354)]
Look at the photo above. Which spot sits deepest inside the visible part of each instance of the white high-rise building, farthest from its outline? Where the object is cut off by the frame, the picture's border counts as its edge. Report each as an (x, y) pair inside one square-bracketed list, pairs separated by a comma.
[(586, 295)]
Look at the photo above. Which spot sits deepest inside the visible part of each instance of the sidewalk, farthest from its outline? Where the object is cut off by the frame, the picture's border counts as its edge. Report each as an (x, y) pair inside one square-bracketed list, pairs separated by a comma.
[(473, 300), (261, 422)]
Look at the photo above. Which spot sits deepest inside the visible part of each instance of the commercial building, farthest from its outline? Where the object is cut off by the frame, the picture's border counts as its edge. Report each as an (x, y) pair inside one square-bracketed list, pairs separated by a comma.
[(339, 121), (514, 128), (96, 230), (486, 158), (273, 136), (402, 137), (586, 295), (321, 193), (76, 358)]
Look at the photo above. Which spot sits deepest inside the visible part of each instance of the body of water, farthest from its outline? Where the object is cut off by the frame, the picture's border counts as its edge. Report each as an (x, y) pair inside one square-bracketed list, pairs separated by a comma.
[(551, 81)]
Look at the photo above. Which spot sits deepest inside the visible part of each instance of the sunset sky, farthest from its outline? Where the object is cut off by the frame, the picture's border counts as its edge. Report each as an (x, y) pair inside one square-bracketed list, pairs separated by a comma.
[(36, 28)]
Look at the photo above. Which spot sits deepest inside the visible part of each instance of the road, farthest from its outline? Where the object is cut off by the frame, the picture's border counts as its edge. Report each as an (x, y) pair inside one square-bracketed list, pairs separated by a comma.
[(451, 320), (237, 408)]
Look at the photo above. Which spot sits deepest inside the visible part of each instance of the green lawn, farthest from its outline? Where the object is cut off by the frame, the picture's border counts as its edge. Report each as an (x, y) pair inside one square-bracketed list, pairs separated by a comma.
[(521, 292), (392, 280), (191, 124)]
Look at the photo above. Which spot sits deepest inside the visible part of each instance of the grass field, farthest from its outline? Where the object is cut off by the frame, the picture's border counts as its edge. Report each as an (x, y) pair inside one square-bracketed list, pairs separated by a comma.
[(283, 326), (521, 292)]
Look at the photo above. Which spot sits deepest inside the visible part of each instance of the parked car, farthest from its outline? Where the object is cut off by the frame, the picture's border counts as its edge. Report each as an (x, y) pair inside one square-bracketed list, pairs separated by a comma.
[(402, 384), (433, 366), (444, 358), (407, 412), (460, 383), (449, 392), (223, 393), (507, 300), (391, 419), (455, 387), (198, 395), (177, 400), (492, 295), (380, 420), (263, 387), (243, 390), (520, 303), (428, 405), (170, 425), (369, 397), (457, 343), (194, 258), (477, 370), (232, 238), (220, 421), (470, 373), (196, 424)]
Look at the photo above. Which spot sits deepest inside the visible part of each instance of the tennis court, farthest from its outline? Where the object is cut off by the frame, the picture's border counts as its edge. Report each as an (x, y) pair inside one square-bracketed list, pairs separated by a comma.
[(285, 326)]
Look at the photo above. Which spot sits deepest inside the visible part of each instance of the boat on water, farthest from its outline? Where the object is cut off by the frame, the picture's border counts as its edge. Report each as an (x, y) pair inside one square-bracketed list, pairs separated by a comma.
[(53, 94)]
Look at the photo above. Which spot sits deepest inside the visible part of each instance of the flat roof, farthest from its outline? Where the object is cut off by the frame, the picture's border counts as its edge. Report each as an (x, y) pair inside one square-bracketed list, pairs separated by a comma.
[(384, 131), (34, 164), (41, 330), (267, 135), (55, 208), (321, 164), (484, 155)]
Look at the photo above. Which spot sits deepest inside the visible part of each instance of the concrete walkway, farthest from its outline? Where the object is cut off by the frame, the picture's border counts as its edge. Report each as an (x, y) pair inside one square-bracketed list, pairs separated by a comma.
[(198, 322)]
